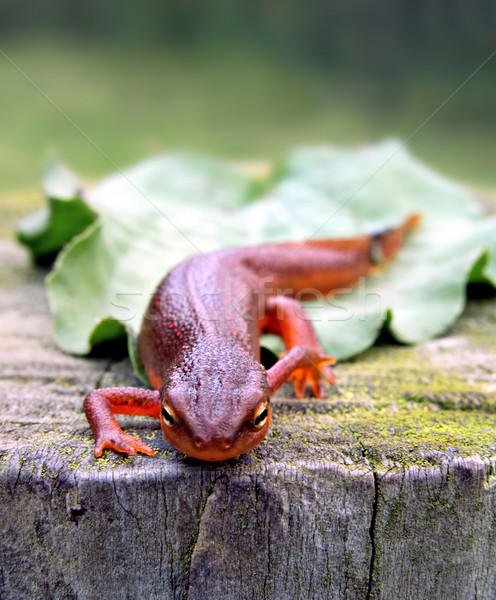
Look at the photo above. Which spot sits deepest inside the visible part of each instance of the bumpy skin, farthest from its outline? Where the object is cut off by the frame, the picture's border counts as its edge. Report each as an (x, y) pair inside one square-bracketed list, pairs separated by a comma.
[(199, 343)]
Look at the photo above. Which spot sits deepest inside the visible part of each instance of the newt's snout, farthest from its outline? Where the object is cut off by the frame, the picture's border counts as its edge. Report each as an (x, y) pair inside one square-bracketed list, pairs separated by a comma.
[(215, 447)]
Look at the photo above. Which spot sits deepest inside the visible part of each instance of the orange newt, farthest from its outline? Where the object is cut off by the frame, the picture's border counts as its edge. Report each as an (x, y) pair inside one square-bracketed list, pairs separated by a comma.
[(199, 343)]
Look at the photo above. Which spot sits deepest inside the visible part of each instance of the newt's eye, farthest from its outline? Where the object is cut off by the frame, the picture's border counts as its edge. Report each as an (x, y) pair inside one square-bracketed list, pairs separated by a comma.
[(168, 415), (261, 415)]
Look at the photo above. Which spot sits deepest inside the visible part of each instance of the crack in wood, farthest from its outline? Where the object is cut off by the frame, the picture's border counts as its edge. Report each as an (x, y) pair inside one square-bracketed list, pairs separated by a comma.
[(372, 535), (197, 532), (373, 519), (126, 510)]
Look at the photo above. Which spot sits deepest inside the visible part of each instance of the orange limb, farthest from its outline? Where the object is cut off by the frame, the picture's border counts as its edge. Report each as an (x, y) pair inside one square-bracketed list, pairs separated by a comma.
[(304, 360), (100, 407)]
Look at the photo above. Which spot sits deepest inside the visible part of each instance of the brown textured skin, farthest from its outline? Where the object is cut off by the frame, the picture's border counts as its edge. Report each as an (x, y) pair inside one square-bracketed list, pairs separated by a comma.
[(199, 342)]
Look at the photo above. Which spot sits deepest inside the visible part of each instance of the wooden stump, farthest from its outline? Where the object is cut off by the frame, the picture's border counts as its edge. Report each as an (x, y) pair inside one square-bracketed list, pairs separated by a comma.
[(384, 490)]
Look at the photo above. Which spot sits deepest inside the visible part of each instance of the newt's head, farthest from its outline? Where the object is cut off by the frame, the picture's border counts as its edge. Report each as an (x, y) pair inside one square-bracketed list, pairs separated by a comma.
[(216, 407)]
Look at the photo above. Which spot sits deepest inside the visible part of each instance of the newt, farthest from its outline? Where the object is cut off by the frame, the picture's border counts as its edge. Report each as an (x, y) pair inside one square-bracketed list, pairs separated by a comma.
[(199, 342)]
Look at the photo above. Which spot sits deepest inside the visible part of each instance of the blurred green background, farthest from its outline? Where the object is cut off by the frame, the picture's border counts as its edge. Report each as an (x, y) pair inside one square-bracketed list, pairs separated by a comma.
[(244, 80)]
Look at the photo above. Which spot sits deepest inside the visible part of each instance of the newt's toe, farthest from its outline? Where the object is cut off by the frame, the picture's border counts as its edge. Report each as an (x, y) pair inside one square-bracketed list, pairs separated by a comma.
[(312, 376), (122, 442)]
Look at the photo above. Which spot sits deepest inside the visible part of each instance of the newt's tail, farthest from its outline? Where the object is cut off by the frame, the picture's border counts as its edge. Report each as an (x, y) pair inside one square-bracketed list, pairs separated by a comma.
[(387, 243)]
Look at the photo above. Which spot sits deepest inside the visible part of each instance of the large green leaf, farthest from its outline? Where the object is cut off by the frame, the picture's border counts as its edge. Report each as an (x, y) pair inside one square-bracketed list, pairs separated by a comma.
[(147, 219), (423, 290)]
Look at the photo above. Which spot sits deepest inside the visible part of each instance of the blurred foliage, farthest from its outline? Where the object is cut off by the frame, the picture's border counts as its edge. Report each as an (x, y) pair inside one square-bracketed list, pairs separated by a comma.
[(244, 79), (330, 33)]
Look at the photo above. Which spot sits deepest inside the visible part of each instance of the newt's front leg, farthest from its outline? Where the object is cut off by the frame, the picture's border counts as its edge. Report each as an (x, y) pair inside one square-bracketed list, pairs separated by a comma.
[(304, 359), (100, 406)]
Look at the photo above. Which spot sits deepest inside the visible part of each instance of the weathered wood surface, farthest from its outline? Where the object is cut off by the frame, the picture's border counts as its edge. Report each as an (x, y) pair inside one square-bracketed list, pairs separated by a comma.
[(385, 490)]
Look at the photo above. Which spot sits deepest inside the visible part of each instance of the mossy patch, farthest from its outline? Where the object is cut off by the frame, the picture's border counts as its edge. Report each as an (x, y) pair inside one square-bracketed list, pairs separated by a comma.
[(393, 407), (384, 436)]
